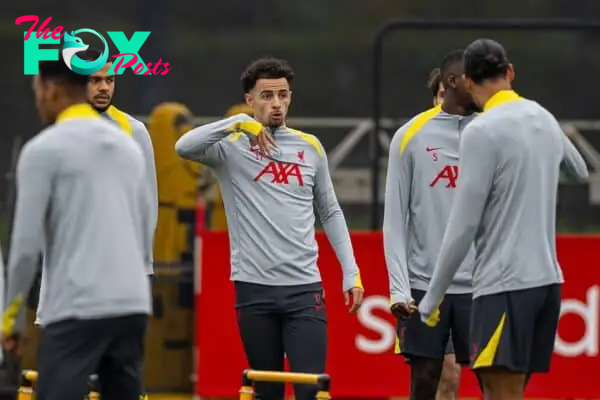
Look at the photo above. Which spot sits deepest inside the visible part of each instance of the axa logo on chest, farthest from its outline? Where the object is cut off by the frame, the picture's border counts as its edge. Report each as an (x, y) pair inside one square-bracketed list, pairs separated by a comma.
[(448, 174), (281, 172), (128, 50)]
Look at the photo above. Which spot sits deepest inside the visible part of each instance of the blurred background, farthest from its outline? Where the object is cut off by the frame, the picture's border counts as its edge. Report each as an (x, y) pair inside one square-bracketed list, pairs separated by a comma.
[(329, 43)]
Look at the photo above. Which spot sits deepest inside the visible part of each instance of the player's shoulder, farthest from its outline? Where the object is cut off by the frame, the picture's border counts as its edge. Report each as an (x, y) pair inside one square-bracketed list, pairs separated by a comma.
[(511, 110), (479, 133), (126, 122), (111, 130), (130, 117), (140, 133), (308, 138), (514, 112), (61, 136), (44, 142), (63, 131), (39, 150), (422, 118), (99, 124), (537, 110), (477, 125), (413, 126), (136, 124)]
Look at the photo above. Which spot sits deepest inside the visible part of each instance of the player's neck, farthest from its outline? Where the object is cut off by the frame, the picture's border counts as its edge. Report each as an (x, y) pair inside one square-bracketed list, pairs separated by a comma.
[(451, 106), (492, 88), (67, 102)]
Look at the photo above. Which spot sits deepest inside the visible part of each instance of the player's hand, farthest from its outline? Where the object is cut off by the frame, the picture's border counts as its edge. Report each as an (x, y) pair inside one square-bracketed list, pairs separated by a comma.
[(432, 319), (357, 294), (11, 343), (403, 311), (429, 310), (265, 141)]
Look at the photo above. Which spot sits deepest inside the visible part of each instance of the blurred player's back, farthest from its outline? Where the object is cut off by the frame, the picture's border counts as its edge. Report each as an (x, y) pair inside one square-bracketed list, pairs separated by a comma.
[(94, 222), (516, 241)]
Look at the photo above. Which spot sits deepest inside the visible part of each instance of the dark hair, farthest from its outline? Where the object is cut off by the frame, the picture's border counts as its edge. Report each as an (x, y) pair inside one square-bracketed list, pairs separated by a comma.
[(266, 68), (58, 71), (434, 81), (450, 60), (91, 54), (485, 59)]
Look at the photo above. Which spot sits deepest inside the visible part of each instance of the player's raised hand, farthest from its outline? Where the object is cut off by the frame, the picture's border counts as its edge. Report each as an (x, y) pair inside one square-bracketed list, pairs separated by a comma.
[(265, 141), (357, 294), (402, 310)]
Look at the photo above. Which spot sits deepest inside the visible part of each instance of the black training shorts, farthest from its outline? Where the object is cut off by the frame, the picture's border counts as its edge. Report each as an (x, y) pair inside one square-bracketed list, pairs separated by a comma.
[(515, 330), (416, 339)]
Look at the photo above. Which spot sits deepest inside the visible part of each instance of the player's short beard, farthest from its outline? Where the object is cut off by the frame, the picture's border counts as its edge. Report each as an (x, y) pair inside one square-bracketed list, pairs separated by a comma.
[(101, 109), (273, 126)]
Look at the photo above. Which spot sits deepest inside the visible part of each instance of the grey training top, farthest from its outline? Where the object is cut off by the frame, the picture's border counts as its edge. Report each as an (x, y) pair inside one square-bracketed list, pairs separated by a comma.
[(420, 188), (82, 203), (270, 202), (138, 131), (505, 202)]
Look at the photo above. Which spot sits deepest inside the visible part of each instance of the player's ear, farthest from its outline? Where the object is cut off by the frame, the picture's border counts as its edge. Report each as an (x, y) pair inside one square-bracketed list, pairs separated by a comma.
[(510, 73), (53, 90), (452, 81), (468, 84), (249, 99)]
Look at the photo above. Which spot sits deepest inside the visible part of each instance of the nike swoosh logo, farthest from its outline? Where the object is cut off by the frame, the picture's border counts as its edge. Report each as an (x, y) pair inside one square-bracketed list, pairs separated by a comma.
[(428, 149)]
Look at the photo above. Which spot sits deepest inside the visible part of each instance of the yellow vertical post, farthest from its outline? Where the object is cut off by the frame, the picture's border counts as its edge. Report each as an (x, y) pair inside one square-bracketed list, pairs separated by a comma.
[(25, 391), (177, 195), (246, 391), (176, 179), (93, 393), (323, 385)]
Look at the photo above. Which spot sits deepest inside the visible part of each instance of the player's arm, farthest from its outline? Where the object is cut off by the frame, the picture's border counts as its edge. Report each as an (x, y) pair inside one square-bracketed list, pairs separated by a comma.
[(395, 220), (573, 162), (144, 140), (147, 223), (201, 144), (34, 179), (476, 173), (336, 229)]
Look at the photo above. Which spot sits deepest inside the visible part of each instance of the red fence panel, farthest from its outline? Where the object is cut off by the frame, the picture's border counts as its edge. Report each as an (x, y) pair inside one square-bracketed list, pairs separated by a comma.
[(361, 360)]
